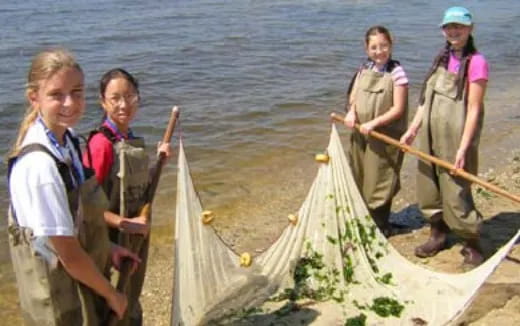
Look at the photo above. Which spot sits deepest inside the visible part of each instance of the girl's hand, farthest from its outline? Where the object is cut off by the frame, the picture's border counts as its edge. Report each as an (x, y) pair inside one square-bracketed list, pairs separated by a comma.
[(118, 303), (367, 127), (408, 137), (136, 225), (350, 118), (460, 159), (164, 148), (118, 253)]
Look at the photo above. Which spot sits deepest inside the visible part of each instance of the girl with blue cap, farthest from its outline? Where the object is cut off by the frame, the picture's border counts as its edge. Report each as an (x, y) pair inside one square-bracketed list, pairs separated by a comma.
[(448, 123)]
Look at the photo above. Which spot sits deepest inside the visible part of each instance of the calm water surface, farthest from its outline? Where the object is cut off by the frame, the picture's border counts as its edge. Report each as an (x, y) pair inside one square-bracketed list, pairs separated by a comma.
[(255, 80)]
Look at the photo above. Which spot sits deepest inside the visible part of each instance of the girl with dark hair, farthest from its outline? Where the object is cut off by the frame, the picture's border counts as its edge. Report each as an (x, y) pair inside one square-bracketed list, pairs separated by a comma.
[(377, 97), (114, 149), (449, 121)]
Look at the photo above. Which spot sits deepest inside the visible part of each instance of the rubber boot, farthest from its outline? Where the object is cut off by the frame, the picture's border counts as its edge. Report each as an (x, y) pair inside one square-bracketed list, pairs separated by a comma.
[(381, 217), (472, 252), (436, 242)]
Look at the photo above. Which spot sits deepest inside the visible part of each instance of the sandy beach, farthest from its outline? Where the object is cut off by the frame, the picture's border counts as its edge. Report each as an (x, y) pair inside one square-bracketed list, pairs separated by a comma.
[(253, 215), (496, 303)]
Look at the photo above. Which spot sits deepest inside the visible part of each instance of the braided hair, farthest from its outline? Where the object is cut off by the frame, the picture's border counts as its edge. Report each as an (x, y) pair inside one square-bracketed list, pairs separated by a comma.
[(442, 60)]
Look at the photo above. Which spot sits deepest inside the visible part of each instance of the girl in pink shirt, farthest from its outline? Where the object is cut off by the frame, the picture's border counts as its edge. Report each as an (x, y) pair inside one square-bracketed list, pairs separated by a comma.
[(449, 120)]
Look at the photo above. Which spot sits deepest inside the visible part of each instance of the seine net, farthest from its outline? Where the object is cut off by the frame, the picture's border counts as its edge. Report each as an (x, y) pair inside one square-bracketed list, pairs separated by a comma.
[(332, 255)]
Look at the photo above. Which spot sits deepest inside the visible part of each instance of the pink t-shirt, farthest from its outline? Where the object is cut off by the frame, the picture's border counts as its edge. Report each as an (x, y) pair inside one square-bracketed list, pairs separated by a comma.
[(399, 76), (102, 153), (478, 67)]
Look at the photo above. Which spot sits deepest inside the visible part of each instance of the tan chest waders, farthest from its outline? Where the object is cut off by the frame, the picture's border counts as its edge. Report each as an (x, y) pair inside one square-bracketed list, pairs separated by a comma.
[(136, 179), (93, 235), (441, 195), (48, 295), (375, 164)]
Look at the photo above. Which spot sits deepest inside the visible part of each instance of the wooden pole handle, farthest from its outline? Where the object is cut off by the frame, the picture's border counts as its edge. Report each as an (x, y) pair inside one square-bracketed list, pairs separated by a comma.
[(171, 125), (432, 159), (126, 264)]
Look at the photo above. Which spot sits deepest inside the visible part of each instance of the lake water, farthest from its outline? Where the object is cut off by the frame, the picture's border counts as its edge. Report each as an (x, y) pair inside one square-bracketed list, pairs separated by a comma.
[(255, 80)]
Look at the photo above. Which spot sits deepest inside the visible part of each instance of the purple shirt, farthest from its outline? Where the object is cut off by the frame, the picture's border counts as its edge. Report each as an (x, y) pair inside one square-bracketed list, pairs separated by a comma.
[(478, 67)]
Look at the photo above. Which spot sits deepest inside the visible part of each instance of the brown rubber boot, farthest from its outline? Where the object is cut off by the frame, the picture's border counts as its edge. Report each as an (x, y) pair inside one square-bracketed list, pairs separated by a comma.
[(472, 253), (436, 242)]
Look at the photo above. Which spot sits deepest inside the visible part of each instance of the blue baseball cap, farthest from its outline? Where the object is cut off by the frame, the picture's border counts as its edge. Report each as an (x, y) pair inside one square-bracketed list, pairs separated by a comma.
[(457, 15)]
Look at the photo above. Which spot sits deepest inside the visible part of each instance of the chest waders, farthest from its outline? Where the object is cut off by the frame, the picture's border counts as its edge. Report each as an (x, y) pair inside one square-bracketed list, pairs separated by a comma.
[(440, 195), (376, 165), (93, 236), (136, 181), (48, 295)]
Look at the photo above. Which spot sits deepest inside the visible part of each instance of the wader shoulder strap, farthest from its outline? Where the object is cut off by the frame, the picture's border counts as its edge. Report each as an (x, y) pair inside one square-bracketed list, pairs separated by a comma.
[(63, 169), (89, 172), (390, 65), (106, 132)]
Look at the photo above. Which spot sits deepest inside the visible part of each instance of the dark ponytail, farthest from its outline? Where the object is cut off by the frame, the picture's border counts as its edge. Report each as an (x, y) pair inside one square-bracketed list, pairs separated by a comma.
[(462, 77), (440, 60), (443, 58)]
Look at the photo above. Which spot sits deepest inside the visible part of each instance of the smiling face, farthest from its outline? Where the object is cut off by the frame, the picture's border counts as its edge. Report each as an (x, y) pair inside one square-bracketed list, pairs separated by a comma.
[(120, 102), (457, 34), (60, 99), (378, 48)]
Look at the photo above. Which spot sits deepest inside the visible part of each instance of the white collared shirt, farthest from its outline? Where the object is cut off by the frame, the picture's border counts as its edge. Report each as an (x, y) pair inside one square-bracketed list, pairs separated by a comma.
[(38, 194)]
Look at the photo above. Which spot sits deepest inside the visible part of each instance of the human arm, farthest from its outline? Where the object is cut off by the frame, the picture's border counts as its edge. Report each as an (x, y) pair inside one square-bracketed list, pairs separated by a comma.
[(119, 253), (476, 92), (394, 113), (135, 225), (409, 136), (351, 116), (80, 266), (40, 202), (164, 148)]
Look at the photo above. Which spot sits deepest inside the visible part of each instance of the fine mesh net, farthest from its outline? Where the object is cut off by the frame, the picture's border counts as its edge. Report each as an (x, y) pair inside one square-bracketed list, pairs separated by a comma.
[(334, 254)]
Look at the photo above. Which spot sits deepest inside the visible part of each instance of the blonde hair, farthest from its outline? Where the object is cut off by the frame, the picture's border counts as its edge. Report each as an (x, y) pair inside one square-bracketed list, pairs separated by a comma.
[(43, 66)]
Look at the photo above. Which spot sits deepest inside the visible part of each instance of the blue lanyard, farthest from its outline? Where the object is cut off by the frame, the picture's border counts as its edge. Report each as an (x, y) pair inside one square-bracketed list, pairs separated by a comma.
[(119, 135), (78, 168)]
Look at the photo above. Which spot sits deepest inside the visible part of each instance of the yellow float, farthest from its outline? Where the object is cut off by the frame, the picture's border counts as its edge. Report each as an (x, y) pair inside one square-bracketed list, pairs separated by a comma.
[(245, 259), (207, 217), (293, 218), (322, 158)]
